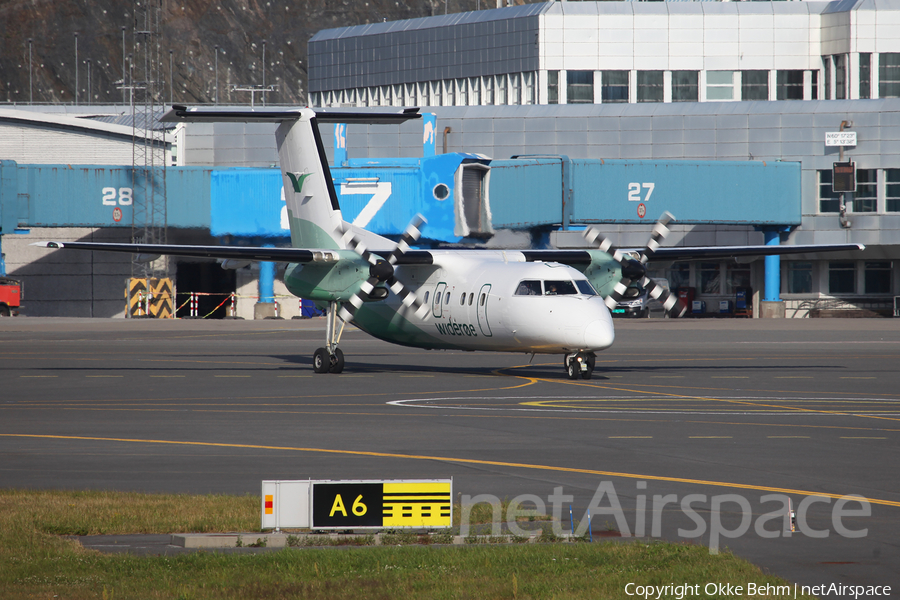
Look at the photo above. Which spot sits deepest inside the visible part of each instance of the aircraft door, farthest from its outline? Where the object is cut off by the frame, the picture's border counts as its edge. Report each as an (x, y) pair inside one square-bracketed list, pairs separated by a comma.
[(482, 300), (438, 300)]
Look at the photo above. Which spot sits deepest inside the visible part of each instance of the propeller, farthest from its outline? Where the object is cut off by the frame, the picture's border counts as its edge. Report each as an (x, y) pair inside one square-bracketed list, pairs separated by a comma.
[(636, 270), (382, 271)]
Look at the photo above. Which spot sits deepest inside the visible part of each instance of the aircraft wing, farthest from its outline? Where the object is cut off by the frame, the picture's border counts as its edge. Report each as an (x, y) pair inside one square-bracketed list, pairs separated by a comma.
[(291, 255), (294, 255), (703, 252), (671, 253)]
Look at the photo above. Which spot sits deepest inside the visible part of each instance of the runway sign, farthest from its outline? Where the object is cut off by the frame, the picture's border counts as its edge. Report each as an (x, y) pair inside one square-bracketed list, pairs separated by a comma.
[(365, 504), (382, 504)]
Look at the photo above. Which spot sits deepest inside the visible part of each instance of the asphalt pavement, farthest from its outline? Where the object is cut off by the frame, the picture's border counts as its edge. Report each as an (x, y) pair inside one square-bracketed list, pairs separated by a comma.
[(691, 430)]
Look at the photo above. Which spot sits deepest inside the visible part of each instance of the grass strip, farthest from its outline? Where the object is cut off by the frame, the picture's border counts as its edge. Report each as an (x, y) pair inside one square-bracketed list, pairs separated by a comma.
[(37, 562)]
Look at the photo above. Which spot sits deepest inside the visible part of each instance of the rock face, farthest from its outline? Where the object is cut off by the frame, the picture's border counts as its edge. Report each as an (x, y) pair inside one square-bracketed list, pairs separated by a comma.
[(39, 40)]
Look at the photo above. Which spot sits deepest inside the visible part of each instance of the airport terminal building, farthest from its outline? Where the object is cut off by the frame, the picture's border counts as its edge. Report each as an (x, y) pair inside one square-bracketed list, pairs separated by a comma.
[(745, 81)]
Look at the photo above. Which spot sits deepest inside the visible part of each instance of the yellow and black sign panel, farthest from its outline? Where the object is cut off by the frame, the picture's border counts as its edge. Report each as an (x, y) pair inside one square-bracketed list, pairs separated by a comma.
[(417, 504), (382, 504), (151, 298)]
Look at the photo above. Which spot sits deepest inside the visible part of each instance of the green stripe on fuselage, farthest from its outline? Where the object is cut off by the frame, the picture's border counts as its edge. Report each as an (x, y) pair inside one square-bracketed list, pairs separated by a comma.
[(388, 324)]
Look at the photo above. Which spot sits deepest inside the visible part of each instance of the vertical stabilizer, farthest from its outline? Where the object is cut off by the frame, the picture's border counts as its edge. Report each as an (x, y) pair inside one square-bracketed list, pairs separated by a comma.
[(313, 210)]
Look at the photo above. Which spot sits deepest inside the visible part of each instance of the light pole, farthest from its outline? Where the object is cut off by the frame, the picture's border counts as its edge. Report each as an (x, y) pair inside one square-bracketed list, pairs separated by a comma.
[(89, 81), (30, 73), (171, 78), (124, 82), (217, 76), (76, 68), (264, 71)]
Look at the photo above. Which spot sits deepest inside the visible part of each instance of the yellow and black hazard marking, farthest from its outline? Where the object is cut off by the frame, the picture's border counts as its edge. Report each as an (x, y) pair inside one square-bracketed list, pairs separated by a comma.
[(351, 505), (151, 298), (137, 291), (162, 299), (422, 504)]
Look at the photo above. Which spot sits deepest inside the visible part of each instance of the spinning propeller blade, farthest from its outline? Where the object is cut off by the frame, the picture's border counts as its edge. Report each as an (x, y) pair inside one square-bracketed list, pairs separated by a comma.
[(382, 271), (636, 269)]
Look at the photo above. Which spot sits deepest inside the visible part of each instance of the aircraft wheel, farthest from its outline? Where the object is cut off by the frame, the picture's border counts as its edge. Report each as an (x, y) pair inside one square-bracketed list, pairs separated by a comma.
[(321, 361), (590, 359), (572, 369), (337, 361)]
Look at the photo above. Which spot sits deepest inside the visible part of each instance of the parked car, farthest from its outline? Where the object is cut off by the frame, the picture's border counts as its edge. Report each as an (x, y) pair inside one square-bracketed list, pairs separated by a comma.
[(636, 302)]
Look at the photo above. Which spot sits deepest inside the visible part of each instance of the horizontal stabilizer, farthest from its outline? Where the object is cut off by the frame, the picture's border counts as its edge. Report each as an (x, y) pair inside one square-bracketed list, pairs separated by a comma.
[(277, 115)]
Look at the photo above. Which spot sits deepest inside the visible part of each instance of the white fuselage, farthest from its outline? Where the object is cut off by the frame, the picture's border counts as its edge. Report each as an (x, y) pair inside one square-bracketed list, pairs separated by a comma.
[(477, 301)]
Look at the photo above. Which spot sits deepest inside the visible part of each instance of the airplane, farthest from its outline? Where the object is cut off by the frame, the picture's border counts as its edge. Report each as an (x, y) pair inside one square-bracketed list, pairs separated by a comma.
[(528, 301)]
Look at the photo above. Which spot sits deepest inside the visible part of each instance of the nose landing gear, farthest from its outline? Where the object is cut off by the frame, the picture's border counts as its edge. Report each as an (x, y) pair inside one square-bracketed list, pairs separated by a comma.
[(580, 364)]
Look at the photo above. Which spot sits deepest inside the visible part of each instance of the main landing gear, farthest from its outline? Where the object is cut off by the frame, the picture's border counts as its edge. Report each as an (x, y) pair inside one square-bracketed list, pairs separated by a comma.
[(580, 364), (330, 359)]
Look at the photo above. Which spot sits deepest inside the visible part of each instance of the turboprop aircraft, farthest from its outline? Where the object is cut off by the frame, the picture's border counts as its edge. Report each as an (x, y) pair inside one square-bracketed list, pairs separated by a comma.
[(530, 301)]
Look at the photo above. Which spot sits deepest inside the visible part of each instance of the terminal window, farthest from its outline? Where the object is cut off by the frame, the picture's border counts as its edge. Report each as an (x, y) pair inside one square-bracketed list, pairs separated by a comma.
[(841, 277), (614, 86), (826, 62), (649, 86), (685, 86), (799, 277), (865, 75), (829, 200), (789, 85), (737, 276), (679, 275), (755, 85), (892, 190), (552, 87), (865, 198), (889, 75), (580, 87), (709, 278), (720, 85), (840, 76), (877, 277)]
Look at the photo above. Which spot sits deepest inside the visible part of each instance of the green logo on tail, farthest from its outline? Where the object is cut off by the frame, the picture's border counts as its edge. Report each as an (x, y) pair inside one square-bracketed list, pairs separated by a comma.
[(297, 180)]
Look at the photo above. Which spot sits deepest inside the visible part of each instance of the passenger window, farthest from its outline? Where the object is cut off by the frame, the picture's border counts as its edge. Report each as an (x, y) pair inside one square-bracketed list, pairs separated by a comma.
[(471, 297), (529, 287), (559, 287), (447, 298), (462, 299), (426, 297), (437, 298), (481, 300), (585, 287)]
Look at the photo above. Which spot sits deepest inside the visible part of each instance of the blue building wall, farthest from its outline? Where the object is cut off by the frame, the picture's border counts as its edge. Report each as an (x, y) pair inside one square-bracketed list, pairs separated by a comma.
[(548, 191), (384, 194), (91, 196)]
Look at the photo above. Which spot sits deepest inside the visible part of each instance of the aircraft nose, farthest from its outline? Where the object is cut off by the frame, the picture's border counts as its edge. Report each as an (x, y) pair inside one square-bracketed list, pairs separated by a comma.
[(599, 334)]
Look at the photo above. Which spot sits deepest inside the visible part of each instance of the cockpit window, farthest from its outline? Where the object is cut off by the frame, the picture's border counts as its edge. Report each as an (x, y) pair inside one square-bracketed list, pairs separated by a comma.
[(585, 287), (529, 287), (559, 287)]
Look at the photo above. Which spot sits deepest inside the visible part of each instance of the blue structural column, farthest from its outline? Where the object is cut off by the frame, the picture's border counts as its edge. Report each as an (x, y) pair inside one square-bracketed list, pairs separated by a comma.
[(267, 280), (773, 267)]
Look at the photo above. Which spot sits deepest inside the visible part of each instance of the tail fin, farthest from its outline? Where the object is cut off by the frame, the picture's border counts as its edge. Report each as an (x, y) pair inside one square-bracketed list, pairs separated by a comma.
[(313, 210)]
